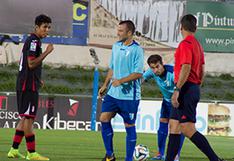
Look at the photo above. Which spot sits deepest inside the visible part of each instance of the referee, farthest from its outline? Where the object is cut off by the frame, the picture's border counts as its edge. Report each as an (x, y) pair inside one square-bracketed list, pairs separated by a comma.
[(189, 74)]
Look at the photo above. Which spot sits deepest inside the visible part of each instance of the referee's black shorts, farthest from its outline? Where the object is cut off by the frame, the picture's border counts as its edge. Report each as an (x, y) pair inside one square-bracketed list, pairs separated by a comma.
[(188, 99), (27, 102)]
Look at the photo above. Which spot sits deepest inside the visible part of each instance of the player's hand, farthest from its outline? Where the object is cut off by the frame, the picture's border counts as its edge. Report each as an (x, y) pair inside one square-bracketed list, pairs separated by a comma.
[(49, 48), (101, 91), (174, 99), (116, 83)]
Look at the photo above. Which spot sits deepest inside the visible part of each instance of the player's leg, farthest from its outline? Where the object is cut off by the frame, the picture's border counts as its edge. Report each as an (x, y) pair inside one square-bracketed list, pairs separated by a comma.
[(174, 139), (199, 140), (128, 110), (162, 131), (188, 119), (130, 140), (19, 132), (162, 137), (182, 137), (30, 100), (108, 108)]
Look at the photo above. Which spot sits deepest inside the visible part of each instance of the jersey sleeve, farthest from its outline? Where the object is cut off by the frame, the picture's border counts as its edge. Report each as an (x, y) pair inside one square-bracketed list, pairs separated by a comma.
[(185, 53), (33, 46), (138, 63), (148, 74)]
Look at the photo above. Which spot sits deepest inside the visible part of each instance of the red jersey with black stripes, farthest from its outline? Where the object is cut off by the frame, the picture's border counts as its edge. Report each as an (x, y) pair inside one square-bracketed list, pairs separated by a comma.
[(29, 79), (190, 52)]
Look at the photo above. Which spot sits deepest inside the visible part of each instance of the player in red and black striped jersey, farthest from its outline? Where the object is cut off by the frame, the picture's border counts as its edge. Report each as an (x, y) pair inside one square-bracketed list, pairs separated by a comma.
[(28, 84), (29, 79)]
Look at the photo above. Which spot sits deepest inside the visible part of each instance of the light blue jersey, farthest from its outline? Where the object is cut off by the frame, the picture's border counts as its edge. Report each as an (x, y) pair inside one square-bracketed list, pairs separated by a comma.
[(165, 82), (126, 60)]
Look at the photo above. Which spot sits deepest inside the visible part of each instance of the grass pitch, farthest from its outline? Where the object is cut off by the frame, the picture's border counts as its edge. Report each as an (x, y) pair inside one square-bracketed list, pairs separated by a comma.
[(61, 145)]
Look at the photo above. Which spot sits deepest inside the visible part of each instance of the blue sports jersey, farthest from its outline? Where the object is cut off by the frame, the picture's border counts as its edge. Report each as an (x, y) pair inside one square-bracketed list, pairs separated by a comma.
[(165, 82), (126, 60)]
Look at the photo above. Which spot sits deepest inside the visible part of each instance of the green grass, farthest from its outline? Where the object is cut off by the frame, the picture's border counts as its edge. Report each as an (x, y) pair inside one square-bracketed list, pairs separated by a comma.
[(61, 145), (79, 80)]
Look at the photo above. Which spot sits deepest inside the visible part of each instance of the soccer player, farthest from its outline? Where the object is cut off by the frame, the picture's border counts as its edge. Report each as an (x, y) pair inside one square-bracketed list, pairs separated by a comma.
[(164, 77), (189, 74), (28, 83), (123, 82)]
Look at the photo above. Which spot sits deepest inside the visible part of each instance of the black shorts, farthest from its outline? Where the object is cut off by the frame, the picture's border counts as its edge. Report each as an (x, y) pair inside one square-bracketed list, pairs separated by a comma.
[(27, 102), (188, 99)]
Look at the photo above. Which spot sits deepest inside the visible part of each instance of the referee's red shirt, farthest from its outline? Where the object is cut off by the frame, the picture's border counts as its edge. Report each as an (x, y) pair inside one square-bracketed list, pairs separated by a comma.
[(189, 52)]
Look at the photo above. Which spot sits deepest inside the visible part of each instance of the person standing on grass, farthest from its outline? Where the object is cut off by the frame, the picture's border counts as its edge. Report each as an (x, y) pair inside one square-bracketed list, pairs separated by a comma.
[(189, 73), (28, 84), (123, 81)]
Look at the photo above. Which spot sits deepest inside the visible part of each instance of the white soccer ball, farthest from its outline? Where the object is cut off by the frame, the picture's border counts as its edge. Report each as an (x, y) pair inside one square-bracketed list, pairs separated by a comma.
[(141, 153)]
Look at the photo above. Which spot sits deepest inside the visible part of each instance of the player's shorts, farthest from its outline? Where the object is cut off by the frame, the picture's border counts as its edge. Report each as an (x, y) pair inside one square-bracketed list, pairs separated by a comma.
[(165, 109), (127, 109), (188, 99), (27, 102)]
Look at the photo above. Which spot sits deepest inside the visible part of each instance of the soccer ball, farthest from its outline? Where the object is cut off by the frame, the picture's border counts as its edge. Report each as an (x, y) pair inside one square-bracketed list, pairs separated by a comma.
[(141, 152)]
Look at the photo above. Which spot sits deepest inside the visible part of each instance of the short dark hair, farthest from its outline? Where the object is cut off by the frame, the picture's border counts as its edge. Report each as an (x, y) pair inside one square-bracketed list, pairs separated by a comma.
[(130, 25), (39, 20), (189, 23), (153, 59)]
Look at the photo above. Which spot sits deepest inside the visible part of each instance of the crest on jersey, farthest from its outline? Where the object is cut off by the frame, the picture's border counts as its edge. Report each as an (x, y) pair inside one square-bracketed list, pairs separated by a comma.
[(33, 46), (127, 53), (131, 116)]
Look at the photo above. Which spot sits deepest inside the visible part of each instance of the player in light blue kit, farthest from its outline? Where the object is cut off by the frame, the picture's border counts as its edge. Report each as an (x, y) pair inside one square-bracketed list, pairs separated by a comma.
[(123, 81), (164, 78)]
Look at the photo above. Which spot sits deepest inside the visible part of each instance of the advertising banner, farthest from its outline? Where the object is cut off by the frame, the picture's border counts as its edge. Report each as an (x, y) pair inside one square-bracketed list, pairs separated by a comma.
[(74, 113), (215, 25), (149, 114), (60, 113), (221, 119), (155, 22)]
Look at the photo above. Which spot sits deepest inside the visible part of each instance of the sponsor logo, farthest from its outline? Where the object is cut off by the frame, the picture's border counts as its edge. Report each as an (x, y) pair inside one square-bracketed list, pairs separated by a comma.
[(72, 111), (131, 116), (167, 83), (127, 53), (33, 46), (56, 122)]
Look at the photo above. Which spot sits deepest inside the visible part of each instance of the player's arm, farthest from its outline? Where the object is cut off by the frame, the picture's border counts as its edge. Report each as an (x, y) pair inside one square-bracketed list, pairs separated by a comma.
[(186, 60), (148, 74), (33, 63), (184, 73), (108, 77), (183, 77), (131, 77), (106, 82)]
